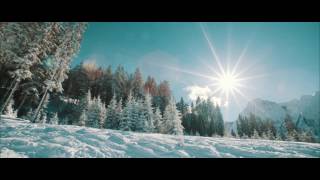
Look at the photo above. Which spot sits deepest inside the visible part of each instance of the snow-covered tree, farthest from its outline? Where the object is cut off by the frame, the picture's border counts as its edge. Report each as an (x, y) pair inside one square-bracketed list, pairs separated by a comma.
[(264, 135), (255, 135), (102, 113), (9, 110), (118, 114), (54, 119), (20, 49), (83, 118), (96, 113), (63, 41), (172, 119), (146, 113), (270, 135), (112, 119), (139, 115), (306, 137), (43, 118), (127, 120), (157, 120)]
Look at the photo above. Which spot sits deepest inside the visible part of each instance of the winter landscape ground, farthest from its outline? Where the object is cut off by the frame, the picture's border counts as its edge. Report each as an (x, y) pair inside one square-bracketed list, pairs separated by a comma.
[(20, 139)]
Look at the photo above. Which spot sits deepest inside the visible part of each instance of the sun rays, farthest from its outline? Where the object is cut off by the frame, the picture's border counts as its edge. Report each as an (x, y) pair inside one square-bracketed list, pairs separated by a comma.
[(226, 81)]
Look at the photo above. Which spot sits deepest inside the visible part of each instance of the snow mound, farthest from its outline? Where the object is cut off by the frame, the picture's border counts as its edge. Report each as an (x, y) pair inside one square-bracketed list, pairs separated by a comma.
[(8, 153), (23, 139)]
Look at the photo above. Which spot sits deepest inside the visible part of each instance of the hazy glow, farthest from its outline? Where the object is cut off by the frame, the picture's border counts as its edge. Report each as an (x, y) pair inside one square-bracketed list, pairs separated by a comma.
[(227, 82)]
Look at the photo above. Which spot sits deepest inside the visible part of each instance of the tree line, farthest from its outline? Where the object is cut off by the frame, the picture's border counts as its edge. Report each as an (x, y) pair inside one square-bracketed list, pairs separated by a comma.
[(203, 119), (253, 126), (38, 84)]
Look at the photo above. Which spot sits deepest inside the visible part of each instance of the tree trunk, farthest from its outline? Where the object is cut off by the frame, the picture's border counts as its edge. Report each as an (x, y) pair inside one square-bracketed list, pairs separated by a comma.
[(10, 87), (40, 105), (22, 103)]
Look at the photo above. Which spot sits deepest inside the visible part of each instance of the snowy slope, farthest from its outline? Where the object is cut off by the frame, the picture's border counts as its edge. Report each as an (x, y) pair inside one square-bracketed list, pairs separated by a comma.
[(23, 139)]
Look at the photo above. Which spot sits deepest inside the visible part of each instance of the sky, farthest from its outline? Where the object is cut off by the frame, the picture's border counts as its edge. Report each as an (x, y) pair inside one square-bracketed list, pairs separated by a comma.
[(276, 61)]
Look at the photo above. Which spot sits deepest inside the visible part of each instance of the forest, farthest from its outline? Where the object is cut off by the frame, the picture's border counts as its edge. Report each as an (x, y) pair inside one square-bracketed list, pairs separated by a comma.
[(37, 83)]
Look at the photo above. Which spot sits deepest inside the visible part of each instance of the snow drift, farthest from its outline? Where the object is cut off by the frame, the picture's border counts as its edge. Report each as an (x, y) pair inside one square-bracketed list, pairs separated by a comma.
[(24, 139)]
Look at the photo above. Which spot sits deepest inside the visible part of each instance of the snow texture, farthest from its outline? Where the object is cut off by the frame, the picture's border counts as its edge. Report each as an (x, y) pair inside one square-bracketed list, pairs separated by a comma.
[(23, 139)]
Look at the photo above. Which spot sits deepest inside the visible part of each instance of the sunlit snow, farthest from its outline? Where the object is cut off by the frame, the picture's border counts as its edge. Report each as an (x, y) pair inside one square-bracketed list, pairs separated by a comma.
[(24, 139)]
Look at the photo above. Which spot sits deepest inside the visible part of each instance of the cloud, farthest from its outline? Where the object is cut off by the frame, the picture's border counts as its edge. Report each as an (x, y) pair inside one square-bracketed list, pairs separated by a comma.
[(204, 92), (195, 91)]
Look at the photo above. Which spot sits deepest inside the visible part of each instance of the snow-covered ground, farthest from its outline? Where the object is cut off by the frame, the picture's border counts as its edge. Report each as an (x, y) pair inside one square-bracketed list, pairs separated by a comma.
[(24, 139)]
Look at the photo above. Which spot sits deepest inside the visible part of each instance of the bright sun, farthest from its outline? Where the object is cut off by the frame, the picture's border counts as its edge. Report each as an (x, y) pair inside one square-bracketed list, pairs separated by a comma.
[(227, 82)]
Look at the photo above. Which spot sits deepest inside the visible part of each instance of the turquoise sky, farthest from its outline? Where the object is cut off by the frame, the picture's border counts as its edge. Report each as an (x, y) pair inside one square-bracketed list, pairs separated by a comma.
[(284, 57)]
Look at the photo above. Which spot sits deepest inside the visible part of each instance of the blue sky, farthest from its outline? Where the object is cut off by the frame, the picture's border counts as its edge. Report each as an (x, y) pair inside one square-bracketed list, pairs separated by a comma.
[(282, 59)]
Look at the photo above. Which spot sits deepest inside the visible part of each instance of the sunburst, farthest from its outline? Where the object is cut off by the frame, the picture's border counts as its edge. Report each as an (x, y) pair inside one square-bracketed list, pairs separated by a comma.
[(225, 79)]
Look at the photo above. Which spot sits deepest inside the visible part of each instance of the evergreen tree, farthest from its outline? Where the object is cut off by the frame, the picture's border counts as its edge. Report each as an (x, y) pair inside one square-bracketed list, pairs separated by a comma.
[(9, 110), (150, 86), (172, 119), (255, 135), (220, 123), (137, 84), (233, 134), (182, 107), (118, 114), (139, 115), (148, 112), (96, 113), (83, 118), (270, 135), (157, 121), (111, 119), (126, 118), (54, 119)]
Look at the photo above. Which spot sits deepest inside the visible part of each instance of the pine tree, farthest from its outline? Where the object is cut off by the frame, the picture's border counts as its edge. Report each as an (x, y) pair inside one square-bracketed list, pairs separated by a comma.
[(148, 112), (9, 110), (83, 118), (255, 135), (126, 118), (54, 119), (278, 137), (220, 123), (63, 41), (270, 135), (118, 114), (157, 121), (111, 119), (43, 118), (96, 113), (137, 84), (172, 119), (233, 134), (139, 114), (65, 121)]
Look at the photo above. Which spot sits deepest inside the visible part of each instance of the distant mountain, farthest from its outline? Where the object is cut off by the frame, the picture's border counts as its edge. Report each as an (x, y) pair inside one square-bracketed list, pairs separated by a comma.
[(265, 110), (307, 106), (305, 112)]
